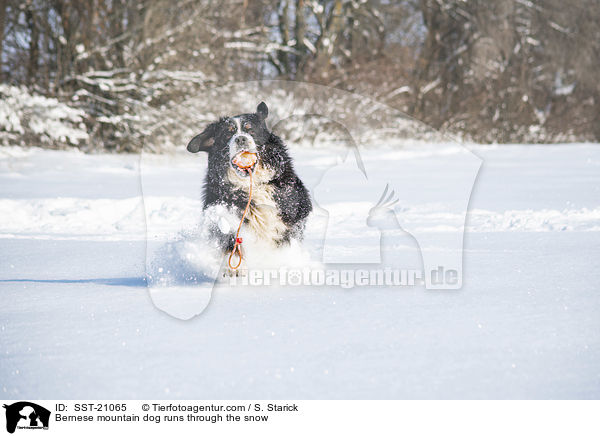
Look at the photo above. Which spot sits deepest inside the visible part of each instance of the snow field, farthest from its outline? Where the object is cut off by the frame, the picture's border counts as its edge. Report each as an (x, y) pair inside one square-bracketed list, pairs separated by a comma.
[(77, 320)]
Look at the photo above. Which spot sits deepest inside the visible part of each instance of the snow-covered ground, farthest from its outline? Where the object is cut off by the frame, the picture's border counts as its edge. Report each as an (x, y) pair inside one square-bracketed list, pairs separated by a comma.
[(77, 319)]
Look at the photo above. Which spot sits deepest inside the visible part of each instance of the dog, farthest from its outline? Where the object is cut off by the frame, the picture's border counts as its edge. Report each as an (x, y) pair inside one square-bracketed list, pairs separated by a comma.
[(280, 202)]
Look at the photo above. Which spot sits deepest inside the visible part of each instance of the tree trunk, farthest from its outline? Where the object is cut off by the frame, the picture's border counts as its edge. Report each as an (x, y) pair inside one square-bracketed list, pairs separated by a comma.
[(65, 50), (34, 35), (118, 14), (2, 18), (284, 29), (300, 32)]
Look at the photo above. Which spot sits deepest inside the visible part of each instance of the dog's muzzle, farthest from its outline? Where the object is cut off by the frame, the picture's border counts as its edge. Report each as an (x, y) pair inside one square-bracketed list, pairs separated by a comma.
[(243, 154)]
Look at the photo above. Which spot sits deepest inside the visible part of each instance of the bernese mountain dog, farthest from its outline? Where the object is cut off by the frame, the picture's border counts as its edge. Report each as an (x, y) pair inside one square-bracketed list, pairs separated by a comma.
[(280, 203)]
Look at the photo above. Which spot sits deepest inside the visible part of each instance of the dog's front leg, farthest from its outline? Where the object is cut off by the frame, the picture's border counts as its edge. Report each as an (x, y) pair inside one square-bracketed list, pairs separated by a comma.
[(234, 266), (222, 227), (235, 263)]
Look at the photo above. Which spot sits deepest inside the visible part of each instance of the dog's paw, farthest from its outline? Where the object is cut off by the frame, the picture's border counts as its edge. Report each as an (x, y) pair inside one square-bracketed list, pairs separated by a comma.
[(230, 273)]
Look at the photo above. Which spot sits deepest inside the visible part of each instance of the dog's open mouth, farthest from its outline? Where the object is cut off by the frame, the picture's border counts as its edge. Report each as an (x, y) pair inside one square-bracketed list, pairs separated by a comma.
[(244, 162)]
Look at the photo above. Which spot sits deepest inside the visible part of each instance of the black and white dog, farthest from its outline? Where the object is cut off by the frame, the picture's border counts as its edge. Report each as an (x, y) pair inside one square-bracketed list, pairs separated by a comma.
[(280, 202)]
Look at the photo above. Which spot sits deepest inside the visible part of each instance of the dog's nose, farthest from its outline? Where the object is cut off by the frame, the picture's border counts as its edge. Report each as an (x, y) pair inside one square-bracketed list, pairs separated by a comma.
[(241, 141)]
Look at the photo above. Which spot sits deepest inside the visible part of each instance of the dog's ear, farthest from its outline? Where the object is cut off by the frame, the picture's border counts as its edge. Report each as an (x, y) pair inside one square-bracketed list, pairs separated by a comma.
[(204, 141), (262, 110)]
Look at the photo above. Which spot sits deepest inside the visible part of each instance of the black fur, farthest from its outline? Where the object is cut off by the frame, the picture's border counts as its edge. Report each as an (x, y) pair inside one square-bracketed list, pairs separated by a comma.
[(289, 193)]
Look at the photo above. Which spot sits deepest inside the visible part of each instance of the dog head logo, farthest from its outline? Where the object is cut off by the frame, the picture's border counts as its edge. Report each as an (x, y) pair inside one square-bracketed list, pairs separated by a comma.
[(26, 415)]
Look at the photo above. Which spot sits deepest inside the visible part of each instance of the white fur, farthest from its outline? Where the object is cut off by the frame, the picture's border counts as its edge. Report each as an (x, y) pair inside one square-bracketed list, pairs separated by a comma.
[(263, 217), (233, 149)]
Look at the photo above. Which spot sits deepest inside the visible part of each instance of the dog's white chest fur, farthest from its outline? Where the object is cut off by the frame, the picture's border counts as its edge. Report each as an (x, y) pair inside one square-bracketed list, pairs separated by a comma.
[(263, 217)]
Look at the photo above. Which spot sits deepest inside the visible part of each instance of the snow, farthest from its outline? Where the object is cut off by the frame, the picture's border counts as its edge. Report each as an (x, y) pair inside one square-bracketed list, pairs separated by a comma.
[(46, 118), (77, 321), (562, 89)]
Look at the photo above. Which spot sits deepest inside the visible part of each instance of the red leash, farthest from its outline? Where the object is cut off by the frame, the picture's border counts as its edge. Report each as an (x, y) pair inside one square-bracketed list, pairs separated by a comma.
[(238, 241)]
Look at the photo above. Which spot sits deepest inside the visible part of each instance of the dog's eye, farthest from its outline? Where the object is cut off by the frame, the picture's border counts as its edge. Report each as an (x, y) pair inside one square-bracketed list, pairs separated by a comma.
[(231, 128), (247, 126)]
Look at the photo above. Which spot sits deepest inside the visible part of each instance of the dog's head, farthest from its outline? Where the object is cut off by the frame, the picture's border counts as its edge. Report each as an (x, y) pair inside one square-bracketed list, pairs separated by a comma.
[(231, 136)]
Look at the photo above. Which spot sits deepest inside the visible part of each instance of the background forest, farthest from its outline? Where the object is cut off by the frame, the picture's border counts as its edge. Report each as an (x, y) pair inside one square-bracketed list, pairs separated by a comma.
[(113, 74)]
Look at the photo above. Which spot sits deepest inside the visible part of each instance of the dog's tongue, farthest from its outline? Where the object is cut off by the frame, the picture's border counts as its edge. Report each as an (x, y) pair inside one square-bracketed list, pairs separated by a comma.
[(244, 160)]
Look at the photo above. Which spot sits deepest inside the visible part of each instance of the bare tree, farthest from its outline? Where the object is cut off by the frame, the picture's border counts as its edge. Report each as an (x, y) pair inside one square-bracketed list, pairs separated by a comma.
[(508, 70), (3, 5)]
